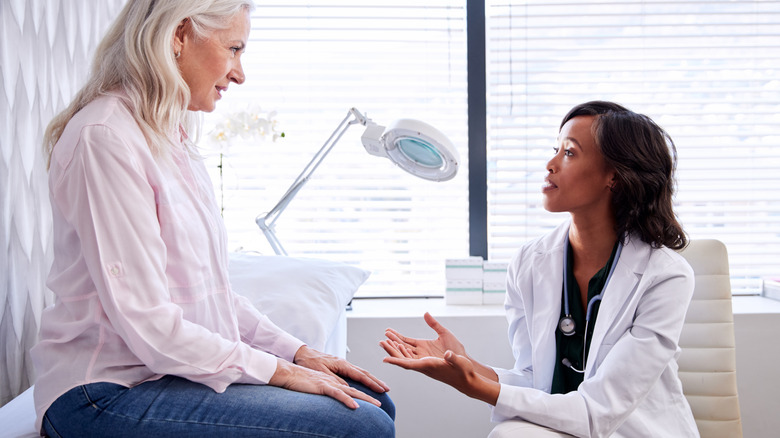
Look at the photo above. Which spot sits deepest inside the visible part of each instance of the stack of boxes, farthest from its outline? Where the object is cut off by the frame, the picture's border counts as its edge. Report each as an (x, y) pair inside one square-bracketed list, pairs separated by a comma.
[(494, 282), (464, 281), (471, 280)]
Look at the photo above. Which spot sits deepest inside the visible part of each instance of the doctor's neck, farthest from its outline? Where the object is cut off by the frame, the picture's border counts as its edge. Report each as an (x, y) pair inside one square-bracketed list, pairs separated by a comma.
[(592, 234)]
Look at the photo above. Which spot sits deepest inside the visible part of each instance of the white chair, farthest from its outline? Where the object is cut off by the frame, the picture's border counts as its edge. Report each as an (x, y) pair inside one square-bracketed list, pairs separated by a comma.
[(708, 359)]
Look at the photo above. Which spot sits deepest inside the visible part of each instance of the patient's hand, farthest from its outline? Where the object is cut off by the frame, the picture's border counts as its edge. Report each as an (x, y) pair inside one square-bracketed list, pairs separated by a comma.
[(298, 378), (337, 367), (419, 348)]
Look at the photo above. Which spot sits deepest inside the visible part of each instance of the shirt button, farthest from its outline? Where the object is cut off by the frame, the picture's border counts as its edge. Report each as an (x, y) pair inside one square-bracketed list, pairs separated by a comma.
[(114, 270)]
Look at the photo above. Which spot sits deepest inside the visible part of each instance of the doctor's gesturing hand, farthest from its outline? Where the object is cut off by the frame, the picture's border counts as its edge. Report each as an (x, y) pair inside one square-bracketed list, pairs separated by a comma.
[(443, 359)]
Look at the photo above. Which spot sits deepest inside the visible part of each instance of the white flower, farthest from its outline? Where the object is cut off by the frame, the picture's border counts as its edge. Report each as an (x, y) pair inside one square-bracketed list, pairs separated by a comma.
[(248, 124)]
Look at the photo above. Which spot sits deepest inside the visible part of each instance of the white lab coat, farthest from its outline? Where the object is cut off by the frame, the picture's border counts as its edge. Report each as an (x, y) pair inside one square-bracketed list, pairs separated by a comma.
[(630, 388)]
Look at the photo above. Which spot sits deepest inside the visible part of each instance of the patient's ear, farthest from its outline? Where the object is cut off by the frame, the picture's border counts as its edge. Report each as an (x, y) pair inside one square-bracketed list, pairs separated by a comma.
[(181, 35)]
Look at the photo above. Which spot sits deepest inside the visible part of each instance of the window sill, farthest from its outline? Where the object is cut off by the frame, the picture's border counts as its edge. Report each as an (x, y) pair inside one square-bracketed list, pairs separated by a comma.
[(416, 307)]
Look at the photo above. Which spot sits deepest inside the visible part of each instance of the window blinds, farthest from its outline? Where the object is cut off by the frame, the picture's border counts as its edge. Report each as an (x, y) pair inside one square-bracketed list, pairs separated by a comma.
[(311, 62), (706, 71)]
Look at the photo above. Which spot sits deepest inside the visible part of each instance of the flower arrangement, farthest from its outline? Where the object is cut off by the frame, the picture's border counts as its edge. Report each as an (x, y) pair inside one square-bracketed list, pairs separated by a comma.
[(247, 124)]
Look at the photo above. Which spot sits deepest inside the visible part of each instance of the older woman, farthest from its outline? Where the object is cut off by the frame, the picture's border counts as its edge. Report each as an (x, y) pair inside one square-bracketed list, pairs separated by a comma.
[(146, 338), (595, 307)]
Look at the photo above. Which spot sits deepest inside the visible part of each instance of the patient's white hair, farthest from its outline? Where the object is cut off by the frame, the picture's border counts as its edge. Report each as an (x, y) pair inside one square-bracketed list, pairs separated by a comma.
[(136, 56)]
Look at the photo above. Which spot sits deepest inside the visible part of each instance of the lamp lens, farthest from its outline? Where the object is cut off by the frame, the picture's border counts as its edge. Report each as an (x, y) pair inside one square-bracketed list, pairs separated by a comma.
[(420, 151)]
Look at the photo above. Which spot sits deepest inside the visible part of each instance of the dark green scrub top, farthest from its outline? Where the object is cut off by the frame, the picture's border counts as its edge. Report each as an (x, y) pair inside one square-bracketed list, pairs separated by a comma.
[(564, 378)]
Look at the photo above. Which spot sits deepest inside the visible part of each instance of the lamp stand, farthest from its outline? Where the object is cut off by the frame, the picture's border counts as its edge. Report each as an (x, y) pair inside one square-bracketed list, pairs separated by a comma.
[(266, 222)]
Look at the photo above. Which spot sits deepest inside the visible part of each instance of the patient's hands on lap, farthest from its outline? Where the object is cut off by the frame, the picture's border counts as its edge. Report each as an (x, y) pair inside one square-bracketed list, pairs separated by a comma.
[(297, 378), (338, 368)]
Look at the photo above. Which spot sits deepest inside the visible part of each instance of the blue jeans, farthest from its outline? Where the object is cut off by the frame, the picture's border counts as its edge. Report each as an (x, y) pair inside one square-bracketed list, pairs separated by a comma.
[(176, 407)]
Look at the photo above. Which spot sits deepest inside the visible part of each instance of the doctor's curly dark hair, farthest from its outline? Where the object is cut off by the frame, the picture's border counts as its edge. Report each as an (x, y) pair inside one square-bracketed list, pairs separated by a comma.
[(644, 159)]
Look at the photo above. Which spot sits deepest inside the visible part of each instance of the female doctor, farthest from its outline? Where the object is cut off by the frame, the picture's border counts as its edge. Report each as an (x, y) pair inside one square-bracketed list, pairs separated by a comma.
[(595, 307)]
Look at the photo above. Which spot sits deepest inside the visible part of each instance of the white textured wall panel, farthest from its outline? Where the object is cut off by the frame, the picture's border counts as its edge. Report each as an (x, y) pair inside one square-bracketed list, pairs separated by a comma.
[(45, 53)]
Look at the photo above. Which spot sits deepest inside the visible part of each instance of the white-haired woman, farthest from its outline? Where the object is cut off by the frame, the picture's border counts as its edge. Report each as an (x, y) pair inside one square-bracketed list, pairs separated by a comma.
[(145, 337)]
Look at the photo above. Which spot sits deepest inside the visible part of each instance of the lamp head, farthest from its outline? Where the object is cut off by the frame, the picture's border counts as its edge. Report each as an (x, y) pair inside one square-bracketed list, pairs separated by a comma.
[(415, 146)]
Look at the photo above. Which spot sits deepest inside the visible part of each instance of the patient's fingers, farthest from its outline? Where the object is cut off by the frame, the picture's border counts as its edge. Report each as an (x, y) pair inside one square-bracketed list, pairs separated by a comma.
[(358, 374)]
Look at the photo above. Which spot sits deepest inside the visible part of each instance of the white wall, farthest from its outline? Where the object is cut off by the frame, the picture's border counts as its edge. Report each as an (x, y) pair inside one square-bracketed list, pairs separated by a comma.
[(429, 409)]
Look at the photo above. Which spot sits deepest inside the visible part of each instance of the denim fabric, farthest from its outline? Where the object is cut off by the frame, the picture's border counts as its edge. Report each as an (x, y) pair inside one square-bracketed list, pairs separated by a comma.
[(176, 407)]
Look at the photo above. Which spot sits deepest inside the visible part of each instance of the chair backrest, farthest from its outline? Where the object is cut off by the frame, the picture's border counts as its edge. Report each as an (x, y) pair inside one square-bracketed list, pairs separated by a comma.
[(708, 359)]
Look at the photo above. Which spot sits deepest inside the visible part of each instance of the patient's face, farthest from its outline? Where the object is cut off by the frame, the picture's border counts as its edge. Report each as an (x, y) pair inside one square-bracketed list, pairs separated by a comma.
[(208, 65)]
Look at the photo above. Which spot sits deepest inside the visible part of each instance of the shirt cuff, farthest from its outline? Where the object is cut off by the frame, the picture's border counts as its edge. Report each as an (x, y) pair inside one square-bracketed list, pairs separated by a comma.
[(260, 367), (501, 411), (286, 345)]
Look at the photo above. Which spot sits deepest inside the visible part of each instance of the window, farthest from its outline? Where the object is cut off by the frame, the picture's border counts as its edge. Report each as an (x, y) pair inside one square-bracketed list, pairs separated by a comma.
[(706, 71), (312, 62)]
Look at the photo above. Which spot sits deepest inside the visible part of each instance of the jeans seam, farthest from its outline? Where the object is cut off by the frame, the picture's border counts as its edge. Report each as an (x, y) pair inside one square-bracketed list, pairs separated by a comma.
[(50, 426), (86, 395)]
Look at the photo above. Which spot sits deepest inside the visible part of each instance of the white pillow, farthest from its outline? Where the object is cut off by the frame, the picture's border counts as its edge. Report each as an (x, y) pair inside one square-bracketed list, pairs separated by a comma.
[(303, 296)]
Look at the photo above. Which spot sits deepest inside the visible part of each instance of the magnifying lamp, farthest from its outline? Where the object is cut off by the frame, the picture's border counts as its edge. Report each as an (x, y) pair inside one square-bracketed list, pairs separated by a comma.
[(413, 145)]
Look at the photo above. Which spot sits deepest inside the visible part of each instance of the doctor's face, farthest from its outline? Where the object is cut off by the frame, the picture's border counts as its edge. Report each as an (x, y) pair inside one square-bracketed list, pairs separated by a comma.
[(579, 179)]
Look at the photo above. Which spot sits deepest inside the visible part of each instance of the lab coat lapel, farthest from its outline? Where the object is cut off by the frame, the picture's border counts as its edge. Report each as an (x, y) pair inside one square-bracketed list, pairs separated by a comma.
[(621, 287), (547, 297)]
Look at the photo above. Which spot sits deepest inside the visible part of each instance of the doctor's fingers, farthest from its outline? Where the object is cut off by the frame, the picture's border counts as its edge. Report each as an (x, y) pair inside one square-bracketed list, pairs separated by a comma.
[(399, 338), (395, 349), (434, 324)]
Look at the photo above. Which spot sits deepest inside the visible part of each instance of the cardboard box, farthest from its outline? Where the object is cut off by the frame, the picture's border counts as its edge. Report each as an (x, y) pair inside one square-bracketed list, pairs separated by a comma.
[(771, 288), (463, 292), (494, 281)]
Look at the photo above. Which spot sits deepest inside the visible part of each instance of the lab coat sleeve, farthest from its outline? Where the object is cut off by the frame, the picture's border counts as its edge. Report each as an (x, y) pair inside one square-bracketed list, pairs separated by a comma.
[(104, 193), (626, 372)]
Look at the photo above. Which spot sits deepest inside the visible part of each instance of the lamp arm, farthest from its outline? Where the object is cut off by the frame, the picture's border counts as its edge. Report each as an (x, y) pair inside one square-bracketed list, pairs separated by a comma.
[(266, 222)]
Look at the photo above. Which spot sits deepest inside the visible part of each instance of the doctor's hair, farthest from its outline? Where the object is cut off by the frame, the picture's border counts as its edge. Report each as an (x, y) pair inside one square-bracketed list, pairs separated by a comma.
[(136, 58), (644, 158)]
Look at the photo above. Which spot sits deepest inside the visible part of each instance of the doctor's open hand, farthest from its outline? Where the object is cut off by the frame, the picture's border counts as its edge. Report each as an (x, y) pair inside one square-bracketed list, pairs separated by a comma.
[(419, 348), (453, 369), (443, 359)]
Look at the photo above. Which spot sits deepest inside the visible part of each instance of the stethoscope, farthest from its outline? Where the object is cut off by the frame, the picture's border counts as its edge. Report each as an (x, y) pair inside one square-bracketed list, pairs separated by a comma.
[(566, 324)]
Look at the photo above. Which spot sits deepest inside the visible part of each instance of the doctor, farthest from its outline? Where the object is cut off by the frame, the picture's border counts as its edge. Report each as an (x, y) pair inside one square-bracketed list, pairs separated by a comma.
[(595, 307)]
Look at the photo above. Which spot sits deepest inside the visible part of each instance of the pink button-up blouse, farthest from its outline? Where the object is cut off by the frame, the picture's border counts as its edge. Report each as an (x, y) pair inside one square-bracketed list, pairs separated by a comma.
[(140, 271)]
